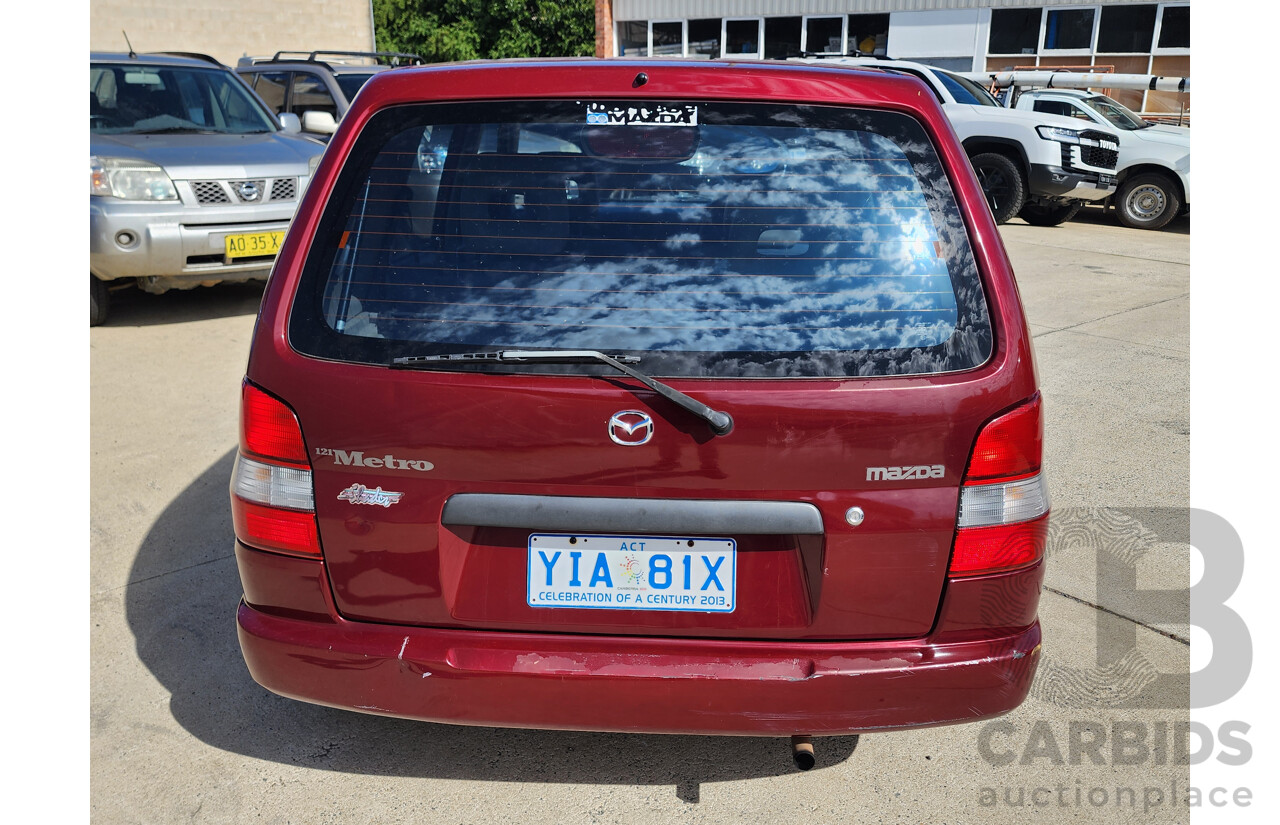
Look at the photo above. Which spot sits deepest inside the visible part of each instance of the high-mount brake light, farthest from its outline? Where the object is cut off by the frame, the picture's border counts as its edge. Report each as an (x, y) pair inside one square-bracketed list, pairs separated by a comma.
[(272, 503), (1003, 521)]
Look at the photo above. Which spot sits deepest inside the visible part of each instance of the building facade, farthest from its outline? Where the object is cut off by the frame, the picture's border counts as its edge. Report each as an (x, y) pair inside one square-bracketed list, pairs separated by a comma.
[(230, 29), (1120, 36)]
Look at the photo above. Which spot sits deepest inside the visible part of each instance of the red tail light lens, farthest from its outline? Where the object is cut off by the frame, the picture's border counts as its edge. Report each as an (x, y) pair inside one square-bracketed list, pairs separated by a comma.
[(981, 550), (272, 501), (268, 428), (270, 528), (1010, 445), (1004, 504)]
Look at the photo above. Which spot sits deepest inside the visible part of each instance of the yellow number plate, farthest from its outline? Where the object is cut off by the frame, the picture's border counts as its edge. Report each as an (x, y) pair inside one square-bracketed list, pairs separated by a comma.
[(254, 244)]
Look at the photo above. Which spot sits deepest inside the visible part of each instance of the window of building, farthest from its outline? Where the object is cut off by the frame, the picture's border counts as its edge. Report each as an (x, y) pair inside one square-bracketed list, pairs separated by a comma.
[(782, 37), (1120, 37), (668, 39), (1175, 28), (742, 37), (1126, 28), (1014, 31), (633, 38), (704, 38), (869, 33), (824, 35), (1069, 29)]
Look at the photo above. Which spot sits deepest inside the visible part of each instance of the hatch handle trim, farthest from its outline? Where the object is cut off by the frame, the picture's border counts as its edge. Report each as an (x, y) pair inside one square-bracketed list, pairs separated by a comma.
[(632, 515)]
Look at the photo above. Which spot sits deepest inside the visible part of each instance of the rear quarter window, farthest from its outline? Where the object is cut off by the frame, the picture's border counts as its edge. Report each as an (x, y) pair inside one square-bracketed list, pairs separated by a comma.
[(752, 240)]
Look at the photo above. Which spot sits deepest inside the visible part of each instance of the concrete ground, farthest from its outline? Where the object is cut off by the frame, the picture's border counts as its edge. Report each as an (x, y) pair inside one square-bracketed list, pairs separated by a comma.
[(179, 731)]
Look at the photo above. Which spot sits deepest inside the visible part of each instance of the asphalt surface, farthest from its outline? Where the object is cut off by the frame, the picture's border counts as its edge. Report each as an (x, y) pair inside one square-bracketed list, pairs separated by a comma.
[(181, 733)]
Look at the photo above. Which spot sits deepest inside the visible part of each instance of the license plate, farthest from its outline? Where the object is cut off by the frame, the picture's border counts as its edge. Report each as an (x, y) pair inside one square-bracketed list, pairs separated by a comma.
[(653, 573), (254, 244)]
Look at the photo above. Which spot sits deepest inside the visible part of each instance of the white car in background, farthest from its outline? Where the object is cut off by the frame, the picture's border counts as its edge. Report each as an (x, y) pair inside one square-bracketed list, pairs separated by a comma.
[(1155, 161), (1039, 167)]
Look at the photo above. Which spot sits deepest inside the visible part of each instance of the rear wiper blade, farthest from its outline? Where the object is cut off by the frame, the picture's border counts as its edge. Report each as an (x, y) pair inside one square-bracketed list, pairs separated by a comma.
[(720, 422)]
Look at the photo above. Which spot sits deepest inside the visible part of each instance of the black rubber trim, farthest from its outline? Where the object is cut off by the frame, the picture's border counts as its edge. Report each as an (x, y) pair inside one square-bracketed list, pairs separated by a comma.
[(632, 515), (1041, 182)]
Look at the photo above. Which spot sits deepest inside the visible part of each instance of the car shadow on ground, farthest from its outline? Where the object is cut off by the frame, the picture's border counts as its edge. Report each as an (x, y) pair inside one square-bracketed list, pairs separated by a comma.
[(1098, 216), (131, 307), (180, 606)]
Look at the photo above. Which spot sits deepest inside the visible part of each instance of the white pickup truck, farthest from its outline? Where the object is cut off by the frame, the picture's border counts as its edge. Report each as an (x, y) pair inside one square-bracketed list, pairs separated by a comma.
[(1040, 167), (1154, 169)]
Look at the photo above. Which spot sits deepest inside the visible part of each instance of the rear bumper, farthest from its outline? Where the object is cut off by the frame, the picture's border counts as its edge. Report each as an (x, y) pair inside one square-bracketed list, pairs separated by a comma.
[(628, 683)]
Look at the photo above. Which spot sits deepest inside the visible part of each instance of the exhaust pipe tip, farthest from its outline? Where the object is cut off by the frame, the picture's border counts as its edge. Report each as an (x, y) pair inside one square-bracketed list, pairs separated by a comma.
[(802, 752)]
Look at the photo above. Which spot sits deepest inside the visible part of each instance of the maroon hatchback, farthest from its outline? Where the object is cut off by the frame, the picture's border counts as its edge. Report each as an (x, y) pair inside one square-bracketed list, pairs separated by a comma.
[(643, 396)]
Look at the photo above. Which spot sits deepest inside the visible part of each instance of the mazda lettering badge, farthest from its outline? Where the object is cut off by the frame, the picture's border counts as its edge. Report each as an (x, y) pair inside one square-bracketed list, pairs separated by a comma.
[(630, 428)]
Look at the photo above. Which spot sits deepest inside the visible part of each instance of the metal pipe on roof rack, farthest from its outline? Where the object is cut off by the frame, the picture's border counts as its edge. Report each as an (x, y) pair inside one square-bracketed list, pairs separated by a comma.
[(1083, 80)]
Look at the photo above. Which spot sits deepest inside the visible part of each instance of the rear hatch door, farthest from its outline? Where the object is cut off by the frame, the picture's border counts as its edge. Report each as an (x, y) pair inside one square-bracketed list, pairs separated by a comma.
[(803, 268)]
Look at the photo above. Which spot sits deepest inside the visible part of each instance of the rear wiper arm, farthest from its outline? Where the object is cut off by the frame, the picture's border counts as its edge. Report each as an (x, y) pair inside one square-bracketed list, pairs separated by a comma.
[(720, 422)]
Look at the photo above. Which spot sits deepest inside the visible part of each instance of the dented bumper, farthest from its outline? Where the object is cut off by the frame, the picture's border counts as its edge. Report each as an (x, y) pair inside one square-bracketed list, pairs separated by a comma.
[(631, 683)]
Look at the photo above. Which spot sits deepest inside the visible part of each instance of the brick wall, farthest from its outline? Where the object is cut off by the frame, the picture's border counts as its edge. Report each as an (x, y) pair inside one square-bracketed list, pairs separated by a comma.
[(604, 28), (232, 28)]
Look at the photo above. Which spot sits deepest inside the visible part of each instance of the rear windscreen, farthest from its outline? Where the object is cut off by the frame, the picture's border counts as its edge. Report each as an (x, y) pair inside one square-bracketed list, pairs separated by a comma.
[(707, 239)]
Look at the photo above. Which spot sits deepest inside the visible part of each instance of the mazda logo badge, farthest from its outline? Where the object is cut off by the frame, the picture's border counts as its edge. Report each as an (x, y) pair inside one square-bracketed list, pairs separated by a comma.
[(249, 191), (630, 428)]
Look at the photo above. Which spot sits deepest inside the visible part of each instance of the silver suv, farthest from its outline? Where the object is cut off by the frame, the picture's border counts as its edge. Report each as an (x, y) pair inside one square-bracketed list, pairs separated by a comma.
[(192, 181), (318, 86)]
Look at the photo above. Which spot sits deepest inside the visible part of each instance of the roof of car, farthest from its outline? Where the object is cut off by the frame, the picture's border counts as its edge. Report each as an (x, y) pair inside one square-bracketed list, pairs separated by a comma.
[(641, 64), (1080, 93), (888, 64), (623, 77), (338, 62), (157, 59), (335, 68), (865, 60)]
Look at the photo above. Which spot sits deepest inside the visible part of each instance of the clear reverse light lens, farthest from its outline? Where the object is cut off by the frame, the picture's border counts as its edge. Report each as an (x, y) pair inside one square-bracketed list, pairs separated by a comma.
[(985, 505), (272, 485), (130, 180)]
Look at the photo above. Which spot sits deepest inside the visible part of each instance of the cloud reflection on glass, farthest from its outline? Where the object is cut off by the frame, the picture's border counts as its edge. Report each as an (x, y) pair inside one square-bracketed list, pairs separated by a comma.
[(770, 250)]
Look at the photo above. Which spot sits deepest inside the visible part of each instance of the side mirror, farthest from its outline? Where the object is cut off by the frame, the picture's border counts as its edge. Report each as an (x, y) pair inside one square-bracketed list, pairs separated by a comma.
[(320, 122), (290, 123)]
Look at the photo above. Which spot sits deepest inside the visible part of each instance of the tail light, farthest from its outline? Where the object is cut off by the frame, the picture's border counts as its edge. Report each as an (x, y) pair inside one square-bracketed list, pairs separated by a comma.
[(272, 504), (1004, 503)]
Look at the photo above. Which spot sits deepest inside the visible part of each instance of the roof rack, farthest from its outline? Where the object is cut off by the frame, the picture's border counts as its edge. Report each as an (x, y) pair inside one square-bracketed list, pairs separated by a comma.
[(193, 55), (384, 58), (852, 53)]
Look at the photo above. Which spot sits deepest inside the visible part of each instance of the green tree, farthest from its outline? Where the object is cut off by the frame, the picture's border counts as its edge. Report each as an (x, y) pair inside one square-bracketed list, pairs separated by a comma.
[(446, 30)]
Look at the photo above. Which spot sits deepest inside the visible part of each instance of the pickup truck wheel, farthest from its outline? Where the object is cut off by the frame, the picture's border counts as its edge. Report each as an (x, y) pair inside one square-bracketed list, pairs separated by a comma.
[(1052, 214), (99, 301), (1147, 201), (1002, 184)]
